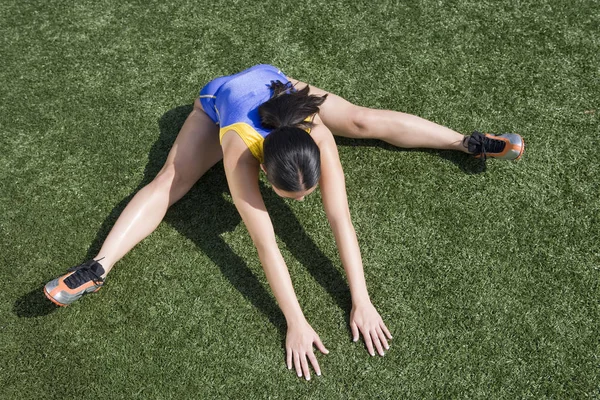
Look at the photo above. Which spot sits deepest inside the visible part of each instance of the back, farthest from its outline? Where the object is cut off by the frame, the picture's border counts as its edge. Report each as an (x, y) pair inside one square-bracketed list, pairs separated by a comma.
[(238, 99), (232, 102)]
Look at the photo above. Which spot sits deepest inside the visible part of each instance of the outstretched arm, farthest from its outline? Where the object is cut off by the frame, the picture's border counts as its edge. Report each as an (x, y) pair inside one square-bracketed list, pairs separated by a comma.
[(242, 170), (364, 317)]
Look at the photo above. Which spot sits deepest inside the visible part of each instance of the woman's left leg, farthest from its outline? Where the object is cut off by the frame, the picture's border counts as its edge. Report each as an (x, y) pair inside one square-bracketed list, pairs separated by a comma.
[(400, 129)]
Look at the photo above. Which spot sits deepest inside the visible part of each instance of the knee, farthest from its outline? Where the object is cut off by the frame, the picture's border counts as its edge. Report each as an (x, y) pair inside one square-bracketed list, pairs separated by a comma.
[(362, 121), (171, 183), (167, 179)]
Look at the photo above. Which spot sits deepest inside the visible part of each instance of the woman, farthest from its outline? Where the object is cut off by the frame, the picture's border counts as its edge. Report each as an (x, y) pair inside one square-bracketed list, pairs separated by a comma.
[(257, 120)]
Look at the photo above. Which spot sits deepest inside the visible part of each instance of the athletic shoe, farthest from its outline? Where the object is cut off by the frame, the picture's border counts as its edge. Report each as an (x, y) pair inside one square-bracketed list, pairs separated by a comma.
[(81, 279), (508, 146)]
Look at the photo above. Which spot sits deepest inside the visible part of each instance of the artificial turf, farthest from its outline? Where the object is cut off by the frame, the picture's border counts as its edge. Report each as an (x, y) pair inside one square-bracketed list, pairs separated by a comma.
[(487, 275)]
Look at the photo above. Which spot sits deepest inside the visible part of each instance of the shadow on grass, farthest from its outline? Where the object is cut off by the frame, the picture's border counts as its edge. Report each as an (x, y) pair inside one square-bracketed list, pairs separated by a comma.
[(34, 304), (203, 215), (468, 164)]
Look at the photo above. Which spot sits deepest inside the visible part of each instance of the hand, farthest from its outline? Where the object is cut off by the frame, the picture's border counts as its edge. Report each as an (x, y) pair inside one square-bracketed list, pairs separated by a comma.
[(364, 317), (299, 347)]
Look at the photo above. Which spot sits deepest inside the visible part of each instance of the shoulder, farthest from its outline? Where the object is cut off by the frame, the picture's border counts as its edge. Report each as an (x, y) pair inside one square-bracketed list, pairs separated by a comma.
[(236, 151), (330, 159), (321, 134)]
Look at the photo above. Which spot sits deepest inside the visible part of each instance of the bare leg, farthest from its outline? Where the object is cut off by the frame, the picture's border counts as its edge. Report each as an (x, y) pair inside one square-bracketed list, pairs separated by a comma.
[(403, 130), (195, 150)]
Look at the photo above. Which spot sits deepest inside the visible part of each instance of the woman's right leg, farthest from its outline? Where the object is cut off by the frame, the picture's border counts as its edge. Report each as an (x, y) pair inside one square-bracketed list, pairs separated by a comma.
[(195, 150)]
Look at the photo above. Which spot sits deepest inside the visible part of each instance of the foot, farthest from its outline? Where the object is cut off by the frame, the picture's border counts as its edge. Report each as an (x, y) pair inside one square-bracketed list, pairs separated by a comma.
[(508, 146), (81, 279)]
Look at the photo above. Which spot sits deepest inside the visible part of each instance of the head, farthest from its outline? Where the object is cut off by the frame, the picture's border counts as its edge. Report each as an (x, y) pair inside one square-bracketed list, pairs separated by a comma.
[(292, 162), (295, 195), (292, 159)]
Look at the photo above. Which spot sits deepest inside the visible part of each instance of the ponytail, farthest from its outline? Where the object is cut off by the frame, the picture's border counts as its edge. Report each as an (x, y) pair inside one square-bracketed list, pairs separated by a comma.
[(292, 159), (289, 107)]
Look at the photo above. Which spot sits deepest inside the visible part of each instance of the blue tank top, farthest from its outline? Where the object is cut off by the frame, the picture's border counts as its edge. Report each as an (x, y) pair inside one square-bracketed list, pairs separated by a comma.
[(232, 102)]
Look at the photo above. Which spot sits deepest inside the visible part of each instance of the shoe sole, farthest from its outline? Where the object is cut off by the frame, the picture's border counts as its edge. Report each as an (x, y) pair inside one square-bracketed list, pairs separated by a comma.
[(52, 299), (513, 139), (522, 149)]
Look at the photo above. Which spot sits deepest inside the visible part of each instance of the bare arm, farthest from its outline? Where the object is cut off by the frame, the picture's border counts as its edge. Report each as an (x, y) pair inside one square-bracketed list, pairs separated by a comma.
[(364, 316), (335, 203), (242, 171)]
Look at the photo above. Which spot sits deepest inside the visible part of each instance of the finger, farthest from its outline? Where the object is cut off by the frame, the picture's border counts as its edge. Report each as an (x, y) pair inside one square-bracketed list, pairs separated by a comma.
[(382, 338), (386, 330), (314, 363), (305, 367), (320, 345), (377, 342), (297, 363), (288, 360), (368, 342), (354, 330)]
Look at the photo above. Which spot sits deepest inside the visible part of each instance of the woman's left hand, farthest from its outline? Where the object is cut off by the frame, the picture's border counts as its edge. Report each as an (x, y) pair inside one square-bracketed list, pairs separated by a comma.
[(364, 317)]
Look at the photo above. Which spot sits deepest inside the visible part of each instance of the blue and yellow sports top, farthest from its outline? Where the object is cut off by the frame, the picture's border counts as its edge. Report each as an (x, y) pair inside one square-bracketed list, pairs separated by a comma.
[(232, 102)]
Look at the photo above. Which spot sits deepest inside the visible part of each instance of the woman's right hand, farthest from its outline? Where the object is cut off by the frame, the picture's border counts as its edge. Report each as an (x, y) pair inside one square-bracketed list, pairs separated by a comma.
[(299, 347)]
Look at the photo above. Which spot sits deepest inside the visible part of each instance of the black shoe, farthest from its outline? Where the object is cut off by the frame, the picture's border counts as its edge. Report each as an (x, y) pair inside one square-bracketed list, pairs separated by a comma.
[(81, 279), (508, 146)]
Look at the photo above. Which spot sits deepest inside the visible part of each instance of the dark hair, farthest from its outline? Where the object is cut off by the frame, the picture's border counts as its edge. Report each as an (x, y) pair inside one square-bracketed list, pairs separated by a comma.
[(291, 156)]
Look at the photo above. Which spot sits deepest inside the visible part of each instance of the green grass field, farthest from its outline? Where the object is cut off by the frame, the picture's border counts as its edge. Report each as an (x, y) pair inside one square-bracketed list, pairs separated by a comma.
[(487, 275)]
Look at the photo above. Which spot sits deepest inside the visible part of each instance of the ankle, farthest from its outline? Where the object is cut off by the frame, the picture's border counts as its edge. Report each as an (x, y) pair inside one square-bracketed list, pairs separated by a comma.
[(464, 144), (106, 265)]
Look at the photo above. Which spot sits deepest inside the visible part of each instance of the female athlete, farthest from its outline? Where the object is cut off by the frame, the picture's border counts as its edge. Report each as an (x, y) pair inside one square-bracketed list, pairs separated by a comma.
[(259, 119)]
